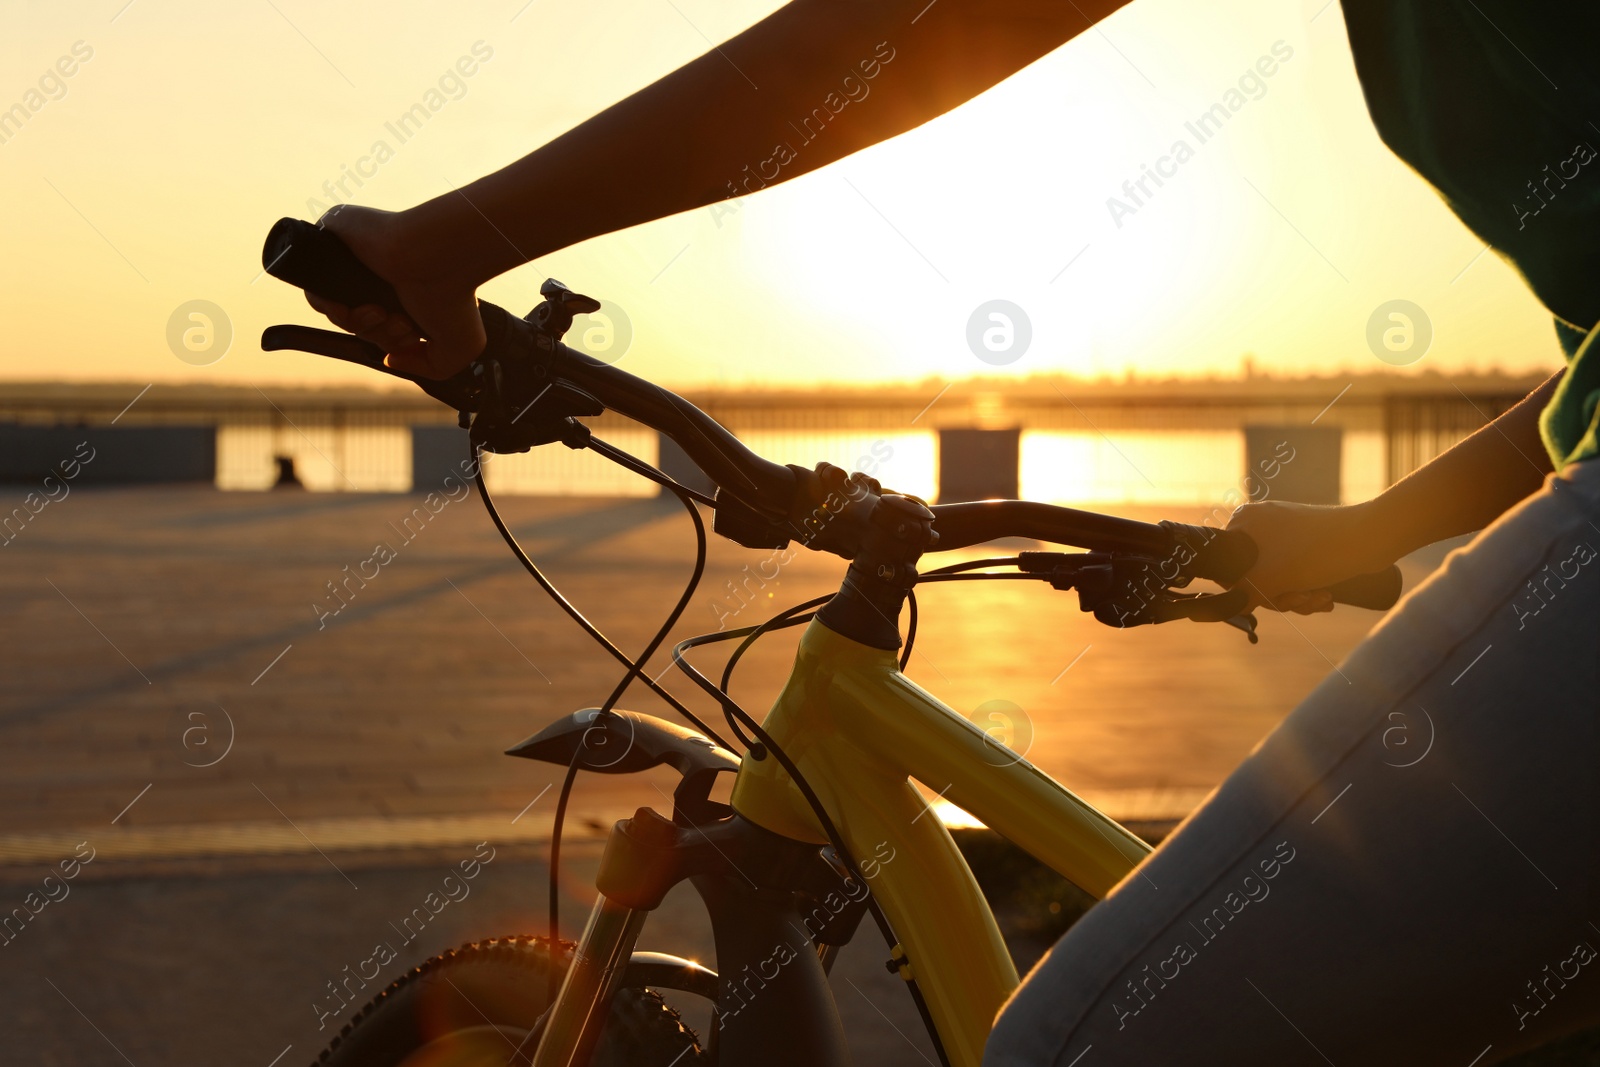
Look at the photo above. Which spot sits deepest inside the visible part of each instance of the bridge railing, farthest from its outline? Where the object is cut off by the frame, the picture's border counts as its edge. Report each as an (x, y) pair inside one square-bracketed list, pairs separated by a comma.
[(1078, 441)]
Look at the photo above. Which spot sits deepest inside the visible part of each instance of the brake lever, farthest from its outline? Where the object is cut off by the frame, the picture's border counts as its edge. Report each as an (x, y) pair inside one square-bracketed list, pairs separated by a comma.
[(510, 397), (460, 391), (1123, 591), (494, 387), (1245, 621), (1202, 607), (523, 400)]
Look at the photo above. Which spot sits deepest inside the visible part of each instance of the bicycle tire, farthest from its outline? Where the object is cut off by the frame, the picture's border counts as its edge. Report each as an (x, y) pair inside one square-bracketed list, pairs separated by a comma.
[(476, 1005)]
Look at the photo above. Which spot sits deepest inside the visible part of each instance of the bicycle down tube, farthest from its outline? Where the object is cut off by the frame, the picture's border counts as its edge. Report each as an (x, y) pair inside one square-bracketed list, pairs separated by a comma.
[(857, 728)]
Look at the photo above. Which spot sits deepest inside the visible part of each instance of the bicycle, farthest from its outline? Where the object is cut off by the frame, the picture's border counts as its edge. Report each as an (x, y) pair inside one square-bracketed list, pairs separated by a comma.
[(824, 778)]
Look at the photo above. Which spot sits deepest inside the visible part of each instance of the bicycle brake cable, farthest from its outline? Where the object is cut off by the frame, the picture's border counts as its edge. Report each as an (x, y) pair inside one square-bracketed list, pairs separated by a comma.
[(732, 708), (736, 714), (911, 627), (686, 497), (645, 470), (781, 621), (577, 616), (784, 619), (778, 622), (974, 564), (911, 596), (635, 667)]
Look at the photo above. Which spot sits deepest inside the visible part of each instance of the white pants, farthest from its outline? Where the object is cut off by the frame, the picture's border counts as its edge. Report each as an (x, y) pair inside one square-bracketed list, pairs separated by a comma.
[(1403, 872)]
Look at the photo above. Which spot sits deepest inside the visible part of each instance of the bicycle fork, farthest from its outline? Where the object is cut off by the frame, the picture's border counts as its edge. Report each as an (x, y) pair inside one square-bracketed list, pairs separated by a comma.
[(598, 963), (765, 896)]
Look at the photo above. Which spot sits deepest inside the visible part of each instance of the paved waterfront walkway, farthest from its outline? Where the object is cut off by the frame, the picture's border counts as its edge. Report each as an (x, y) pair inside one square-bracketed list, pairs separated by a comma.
[(264, 793), (163, 651)]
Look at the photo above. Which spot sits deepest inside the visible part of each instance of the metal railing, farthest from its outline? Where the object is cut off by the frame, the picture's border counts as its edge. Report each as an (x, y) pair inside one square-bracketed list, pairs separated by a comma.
[(360, 439)]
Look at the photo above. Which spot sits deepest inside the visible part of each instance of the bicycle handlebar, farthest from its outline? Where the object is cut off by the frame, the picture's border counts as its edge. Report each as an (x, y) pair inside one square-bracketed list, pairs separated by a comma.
[(525, 357), (1222, 556)]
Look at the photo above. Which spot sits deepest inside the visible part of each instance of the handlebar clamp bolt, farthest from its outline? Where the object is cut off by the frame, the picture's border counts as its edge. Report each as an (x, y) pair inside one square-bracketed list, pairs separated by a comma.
[(886, 572)]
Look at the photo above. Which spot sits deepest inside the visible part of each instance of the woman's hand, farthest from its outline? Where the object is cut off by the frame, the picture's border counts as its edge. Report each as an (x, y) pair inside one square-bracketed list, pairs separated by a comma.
[(441, 332), (1304, 549)]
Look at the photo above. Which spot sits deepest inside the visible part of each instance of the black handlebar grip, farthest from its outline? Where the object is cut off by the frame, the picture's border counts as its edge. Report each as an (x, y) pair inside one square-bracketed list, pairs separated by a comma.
[(1226, 555), (312, 258)]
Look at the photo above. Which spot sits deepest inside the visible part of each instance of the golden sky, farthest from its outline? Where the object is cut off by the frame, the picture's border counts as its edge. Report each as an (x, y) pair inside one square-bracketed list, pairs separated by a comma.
[(148, 177)]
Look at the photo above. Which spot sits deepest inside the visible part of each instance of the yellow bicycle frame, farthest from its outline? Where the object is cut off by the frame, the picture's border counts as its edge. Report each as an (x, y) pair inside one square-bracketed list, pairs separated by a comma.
[(858, 730)]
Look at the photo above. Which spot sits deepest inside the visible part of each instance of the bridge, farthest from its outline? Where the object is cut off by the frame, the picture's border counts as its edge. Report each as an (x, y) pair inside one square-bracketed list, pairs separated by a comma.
[(952, 440)]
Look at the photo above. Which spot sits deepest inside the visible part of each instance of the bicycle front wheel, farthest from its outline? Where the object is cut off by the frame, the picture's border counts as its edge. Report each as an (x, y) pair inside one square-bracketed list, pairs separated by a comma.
[(479, 1005)]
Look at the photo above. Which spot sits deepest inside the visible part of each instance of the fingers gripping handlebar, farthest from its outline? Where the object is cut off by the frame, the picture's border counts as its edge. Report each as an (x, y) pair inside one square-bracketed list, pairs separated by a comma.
[(527, 388), (1226, 556), (1132, 589), (523, 359)]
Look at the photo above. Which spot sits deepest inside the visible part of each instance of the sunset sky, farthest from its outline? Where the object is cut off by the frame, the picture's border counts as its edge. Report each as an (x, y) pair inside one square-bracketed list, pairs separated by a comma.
[(148, 178)]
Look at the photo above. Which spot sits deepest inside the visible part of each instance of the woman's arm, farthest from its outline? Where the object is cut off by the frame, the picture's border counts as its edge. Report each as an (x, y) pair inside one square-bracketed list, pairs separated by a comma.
[(1305, 549), (718, 126), (809, 84)]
